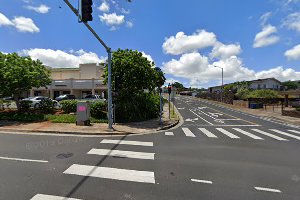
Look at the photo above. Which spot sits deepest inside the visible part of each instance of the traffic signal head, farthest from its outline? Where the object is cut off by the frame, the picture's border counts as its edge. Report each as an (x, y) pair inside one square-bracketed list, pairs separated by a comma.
[(169, 89), (86, 10)]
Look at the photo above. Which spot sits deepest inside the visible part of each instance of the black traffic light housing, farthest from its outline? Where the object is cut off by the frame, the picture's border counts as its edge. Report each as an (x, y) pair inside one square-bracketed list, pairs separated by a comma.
[(86, 10), (169, 88)]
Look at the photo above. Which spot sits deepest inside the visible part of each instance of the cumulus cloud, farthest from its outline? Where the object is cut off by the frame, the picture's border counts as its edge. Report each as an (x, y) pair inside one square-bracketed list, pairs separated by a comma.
[(292, 21), (112, 19), (4, 21), (279, 73), (147, 56), (294, 53), (104, 7), (225, 51), (58, 58), (24, 24), (43, 9), (181, 43), (266, 37)]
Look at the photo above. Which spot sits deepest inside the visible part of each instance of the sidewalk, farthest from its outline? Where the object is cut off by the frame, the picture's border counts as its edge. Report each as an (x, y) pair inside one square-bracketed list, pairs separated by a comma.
[(259, 112), (150, 126)]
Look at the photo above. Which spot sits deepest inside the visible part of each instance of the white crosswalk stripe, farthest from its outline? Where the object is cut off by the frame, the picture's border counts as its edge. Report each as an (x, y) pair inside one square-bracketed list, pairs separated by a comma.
[(123, 154), (50, 197), (298, 132), (286, 134), (248, 134), (111, 173), (269, 135), (227, 133), (207, 133), (169, 133), (127, 142), (188, 132)]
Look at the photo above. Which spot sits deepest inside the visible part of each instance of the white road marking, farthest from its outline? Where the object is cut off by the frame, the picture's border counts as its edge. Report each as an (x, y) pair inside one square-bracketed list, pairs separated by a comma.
[(127, 142), (267, 189), (227, 133), (201, 117), (188, 133), (233, 125), (298, 132), (50, 197), (201, 181), (286, 134), (23, 160), (124, 154), (207, 133), (111, 173), (169, 133), (180, 108), (248, 134), (269, 134)]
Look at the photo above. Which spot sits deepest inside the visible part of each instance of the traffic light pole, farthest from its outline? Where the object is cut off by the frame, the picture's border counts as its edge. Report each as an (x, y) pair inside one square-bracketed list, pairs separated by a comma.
[(108, 50)]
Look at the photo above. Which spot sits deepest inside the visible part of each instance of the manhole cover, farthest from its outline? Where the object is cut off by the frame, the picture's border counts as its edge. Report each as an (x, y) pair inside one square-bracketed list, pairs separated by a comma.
[(64, 155)]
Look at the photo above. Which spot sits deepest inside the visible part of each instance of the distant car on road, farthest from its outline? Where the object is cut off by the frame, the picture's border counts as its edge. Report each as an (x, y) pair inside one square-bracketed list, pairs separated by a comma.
[(95, 97), (36, 101), (65, 97)]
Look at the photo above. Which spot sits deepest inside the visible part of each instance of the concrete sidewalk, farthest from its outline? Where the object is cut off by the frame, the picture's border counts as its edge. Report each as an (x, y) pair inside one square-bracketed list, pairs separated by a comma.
[(150, 126), (259, 112)]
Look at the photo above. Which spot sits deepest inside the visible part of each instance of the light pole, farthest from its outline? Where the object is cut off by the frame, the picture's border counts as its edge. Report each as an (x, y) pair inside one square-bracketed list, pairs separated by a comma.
[(222, 82)]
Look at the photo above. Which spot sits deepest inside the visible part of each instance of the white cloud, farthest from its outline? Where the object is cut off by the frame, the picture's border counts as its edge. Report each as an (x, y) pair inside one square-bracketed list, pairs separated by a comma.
[(147, 56), (129, 24), (58, 58), (43, 9), (4, 21), (182, 43), (292, 21), (266, 37), (112, 19), (104, 7), (265, 17), (24, 24), (124, 11), (294, 53), (279, 73), (225, 51)]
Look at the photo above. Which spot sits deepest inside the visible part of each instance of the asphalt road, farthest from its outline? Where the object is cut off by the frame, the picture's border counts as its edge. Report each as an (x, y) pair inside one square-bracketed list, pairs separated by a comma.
[(216, 153)]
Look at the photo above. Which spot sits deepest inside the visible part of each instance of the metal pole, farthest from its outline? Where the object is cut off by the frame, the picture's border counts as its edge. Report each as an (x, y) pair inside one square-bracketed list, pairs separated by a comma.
[(222, 87), (169, 106), (109, 91), (160, 107), (75, 11)]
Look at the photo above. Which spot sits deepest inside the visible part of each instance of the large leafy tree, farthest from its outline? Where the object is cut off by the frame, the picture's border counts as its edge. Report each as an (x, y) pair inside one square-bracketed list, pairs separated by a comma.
[(19, 74)]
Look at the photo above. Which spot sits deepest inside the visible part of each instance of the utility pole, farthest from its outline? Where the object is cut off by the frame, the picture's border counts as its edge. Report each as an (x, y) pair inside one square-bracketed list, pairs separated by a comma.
[(108, 50)]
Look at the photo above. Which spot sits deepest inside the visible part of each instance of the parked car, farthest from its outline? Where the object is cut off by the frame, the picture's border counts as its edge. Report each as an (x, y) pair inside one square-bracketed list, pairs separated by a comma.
[(95, 97), (36, 101), (65, 97)]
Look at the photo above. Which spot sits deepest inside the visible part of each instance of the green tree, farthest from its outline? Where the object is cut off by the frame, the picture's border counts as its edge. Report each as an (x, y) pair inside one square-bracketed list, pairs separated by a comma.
[(263, 94), (132, 73), (178, 85), (19, 74), (291, 85)]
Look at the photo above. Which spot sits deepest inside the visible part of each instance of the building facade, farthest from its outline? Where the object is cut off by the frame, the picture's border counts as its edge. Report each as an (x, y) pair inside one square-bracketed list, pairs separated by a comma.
[(87, 79)]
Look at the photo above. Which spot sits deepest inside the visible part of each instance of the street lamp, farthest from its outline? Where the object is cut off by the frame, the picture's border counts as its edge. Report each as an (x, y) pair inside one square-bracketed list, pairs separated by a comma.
[(222, 82)]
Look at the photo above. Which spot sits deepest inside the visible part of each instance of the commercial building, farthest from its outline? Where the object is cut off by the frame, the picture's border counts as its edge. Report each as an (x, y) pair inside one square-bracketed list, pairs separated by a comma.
[(87, 79)]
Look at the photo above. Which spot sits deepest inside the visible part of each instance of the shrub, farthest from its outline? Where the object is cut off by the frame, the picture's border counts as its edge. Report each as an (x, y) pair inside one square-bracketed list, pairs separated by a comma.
[(263, 94), (47, 106), (298, 109), (18, 116), (139, 107), (25, 105), (98, 110), (69, 106)]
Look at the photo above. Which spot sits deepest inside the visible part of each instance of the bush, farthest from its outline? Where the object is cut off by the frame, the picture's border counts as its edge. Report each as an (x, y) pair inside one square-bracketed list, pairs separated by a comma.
[(25, 105), (263, 94), (98, 110), (139, 107), (18, 116), (298, 109), (69, 106), (47, 106)]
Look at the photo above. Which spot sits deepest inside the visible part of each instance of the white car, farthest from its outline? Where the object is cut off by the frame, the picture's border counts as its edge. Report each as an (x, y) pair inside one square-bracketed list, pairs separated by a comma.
[(95, 97), (36, 101)]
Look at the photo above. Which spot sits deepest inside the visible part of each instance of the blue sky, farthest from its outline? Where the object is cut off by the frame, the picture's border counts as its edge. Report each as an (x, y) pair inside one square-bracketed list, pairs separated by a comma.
[(250, 39)]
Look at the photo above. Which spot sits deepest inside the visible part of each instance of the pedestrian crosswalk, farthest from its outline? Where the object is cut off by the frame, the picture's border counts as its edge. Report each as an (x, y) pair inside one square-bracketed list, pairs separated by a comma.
[(237, 133), (116, 173)]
